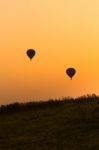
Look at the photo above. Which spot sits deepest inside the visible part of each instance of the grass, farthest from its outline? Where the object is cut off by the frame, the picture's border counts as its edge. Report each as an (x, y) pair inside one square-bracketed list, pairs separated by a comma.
[(67, 124)]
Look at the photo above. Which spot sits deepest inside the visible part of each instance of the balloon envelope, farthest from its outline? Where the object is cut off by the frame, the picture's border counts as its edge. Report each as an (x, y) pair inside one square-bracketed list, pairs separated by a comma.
[(30, 53), (70, 72)]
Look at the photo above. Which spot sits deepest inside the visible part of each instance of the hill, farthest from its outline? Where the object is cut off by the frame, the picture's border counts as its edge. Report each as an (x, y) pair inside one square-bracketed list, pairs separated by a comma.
[(67, 124)]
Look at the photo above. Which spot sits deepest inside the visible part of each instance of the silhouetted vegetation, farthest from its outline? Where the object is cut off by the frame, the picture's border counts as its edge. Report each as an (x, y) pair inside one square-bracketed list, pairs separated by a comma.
[(60, 124)]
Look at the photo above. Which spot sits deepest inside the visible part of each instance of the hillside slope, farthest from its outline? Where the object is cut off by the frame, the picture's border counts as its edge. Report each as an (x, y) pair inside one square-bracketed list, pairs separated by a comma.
[(53, 125)]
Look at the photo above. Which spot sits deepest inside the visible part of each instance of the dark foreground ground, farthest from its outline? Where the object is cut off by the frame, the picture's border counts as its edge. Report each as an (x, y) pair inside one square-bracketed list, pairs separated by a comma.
[(53, 125)]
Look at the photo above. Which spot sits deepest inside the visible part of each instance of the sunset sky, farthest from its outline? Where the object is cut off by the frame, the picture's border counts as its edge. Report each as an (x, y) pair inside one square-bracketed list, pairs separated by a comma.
[(64, 33)]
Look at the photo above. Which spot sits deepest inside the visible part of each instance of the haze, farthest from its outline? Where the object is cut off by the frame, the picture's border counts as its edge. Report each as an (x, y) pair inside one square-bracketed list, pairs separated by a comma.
[(64, 33)]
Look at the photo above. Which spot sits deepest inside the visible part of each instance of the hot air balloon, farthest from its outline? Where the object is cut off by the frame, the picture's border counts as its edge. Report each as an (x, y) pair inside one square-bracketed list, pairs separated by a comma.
[(70, 72), (30, 53)]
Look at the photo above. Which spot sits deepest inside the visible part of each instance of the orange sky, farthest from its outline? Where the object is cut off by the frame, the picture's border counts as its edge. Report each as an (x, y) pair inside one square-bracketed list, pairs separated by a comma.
[(64, 33)]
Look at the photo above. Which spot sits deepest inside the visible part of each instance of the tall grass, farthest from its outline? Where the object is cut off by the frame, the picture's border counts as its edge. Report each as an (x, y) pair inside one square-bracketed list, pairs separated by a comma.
[(60, 124)]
